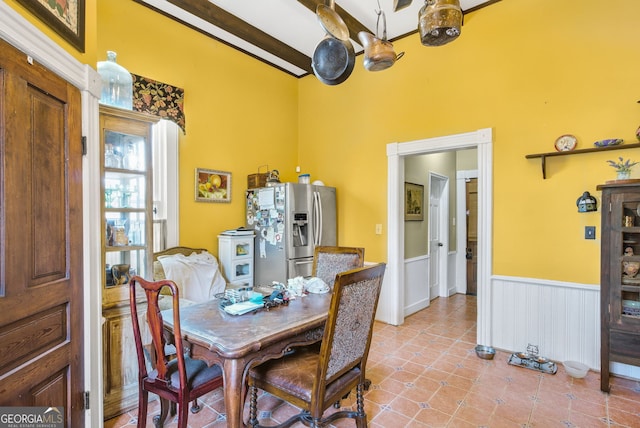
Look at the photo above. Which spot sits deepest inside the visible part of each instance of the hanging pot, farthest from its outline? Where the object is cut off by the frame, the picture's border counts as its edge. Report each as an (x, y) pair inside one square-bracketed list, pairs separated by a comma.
[(331, 21), (378, 52), (400, 4), (333, 60)]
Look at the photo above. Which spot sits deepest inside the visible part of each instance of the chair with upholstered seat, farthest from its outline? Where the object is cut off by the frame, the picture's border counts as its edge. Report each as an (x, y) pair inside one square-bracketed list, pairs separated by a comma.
[(314, 381), (330, 261), (178, 380)]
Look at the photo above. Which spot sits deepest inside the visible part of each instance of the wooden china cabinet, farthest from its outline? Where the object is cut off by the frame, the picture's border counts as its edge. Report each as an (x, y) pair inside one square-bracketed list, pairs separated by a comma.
[(620, 281), (127, 245)]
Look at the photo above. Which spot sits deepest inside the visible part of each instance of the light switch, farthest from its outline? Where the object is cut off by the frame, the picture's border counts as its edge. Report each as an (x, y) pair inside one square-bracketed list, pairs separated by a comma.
[(378, 229), (589, 232)]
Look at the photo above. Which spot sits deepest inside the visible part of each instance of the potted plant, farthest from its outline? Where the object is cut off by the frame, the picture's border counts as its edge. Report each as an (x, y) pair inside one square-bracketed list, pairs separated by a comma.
[(622, 167)]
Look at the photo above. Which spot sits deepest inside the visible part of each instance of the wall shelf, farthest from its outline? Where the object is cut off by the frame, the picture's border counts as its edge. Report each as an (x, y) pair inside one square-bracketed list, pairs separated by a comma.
[(544, 156)]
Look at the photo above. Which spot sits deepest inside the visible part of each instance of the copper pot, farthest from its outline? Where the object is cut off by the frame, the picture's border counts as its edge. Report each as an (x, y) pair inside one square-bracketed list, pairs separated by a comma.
[(378, 52)]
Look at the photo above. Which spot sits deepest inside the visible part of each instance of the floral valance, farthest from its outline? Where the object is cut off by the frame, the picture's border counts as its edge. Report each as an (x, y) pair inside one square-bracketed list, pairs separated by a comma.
[(159, 99)]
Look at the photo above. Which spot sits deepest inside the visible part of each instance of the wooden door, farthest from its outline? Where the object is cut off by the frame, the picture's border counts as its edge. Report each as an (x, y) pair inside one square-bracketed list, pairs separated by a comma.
[(472, 236), (41, 311)]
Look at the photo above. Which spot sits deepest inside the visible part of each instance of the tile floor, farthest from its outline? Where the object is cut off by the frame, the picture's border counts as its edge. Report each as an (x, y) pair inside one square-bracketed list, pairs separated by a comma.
[(425, 374)]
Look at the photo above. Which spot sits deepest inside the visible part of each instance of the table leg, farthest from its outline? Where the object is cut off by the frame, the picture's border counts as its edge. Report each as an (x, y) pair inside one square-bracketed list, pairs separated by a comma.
[(234, 391)]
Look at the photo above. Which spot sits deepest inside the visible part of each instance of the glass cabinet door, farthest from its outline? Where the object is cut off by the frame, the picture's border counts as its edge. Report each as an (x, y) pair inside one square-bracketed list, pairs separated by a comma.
[(127, 207), (629, 252)]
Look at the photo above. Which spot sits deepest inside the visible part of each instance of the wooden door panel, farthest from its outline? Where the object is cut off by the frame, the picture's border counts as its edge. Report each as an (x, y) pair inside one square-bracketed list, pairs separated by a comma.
[(41, 312)]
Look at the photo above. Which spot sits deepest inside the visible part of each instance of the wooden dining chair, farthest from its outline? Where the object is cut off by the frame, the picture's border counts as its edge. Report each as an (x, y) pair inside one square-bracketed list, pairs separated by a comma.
[(177, 380), (330, 261), (314, 381)]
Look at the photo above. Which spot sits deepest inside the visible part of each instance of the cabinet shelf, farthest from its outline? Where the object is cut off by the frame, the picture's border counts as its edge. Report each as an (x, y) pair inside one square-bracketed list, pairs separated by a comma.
[(544, 156)]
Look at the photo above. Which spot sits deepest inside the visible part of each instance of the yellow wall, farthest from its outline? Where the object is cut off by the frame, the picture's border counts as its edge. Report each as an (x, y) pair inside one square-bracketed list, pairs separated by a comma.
[(240, 113), (529, 69)]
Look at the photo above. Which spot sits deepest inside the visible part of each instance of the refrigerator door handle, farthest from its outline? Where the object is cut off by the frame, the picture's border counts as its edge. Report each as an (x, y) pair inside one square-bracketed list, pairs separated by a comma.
[(317, 218)]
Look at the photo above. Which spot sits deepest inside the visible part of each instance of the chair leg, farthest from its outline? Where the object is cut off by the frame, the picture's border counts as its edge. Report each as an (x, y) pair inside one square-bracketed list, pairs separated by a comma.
[(143, 398), (253, 406), (361, 419), (195, 407), (159, 420), (183, 415)]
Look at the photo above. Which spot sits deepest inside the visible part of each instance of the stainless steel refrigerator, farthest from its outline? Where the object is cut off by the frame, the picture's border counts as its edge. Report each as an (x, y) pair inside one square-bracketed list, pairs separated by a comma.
[(290, 220)]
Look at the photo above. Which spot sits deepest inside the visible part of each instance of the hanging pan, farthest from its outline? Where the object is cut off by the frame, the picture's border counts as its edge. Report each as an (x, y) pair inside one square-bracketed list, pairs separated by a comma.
[(331, 21), (333, 60)]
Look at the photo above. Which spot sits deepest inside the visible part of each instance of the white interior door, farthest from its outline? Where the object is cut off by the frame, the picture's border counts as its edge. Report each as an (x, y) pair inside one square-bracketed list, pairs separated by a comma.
[(437, 236)]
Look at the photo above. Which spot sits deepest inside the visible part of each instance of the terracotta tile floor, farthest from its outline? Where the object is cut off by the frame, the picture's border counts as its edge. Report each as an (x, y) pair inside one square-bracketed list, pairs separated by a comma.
[(425, 374)]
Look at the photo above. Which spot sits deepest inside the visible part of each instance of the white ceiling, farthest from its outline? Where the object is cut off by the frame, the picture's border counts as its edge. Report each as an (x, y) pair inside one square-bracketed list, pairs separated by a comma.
[(292, 23)]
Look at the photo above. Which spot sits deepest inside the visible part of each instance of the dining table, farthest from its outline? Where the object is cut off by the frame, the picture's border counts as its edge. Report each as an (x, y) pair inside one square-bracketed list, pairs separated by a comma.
[(239, 342)]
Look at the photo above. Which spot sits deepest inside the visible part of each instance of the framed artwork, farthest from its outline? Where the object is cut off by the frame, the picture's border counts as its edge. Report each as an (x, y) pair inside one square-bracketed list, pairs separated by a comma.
[(212, 185), (66, 17), (413, 202)]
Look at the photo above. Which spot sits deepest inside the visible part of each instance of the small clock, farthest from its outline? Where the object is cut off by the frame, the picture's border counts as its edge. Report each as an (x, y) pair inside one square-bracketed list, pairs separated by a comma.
[(565, 143)]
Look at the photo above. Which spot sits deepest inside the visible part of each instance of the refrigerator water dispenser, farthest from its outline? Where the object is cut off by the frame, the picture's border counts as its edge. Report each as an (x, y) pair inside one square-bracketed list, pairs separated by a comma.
[(300, 230)]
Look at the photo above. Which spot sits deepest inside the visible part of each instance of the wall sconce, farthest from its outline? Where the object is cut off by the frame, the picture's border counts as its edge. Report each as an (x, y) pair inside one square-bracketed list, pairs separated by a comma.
[(587, 203), (439, 22)]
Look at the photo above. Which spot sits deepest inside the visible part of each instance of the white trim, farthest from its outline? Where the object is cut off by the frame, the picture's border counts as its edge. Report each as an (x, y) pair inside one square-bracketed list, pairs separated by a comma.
[(25, 37), (390, 309)]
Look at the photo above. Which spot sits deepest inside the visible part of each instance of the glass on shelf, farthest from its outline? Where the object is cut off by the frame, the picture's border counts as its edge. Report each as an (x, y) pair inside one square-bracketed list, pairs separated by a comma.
[(111, 158), (124, 229), (130, 149)]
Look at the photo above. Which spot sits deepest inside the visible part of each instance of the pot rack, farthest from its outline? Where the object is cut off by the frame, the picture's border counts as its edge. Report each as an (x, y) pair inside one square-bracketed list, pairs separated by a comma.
[(544, 156)]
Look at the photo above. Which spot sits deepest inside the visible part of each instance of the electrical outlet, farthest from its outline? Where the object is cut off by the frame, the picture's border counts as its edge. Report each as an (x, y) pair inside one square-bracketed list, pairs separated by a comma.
[(589, 232)]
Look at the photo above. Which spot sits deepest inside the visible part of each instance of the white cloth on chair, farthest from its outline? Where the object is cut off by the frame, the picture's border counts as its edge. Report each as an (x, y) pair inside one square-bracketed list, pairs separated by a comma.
[(197, 276)]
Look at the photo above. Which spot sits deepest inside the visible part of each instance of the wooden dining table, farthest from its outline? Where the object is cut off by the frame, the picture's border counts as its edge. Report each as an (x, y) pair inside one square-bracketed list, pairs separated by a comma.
[(238, 342)]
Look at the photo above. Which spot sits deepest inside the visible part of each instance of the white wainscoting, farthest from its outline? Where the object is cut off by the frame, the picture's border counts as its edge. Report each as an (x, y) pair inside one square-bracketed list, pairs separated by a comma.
[(416, 277), (562, 319)]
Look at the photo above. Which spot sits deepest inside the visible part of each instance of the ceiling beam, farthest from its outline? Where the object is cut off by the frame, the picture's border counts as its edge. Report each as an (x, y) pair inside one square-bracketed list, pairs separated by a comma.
[(353, 24), (222, 19)]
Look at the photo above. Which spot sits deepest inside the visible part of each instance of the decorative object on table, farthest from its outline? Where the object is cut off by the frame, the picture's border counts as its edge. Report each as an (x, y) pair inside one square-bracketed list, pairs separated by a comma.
[(117, 83), (413, 202), (439, 22), (622, 167), (378, 52), (638, 133), (575, 369), (587, 203), (65, 17), (485, 352), (212, 185), (565, 143), (608, 142), (531, 360)]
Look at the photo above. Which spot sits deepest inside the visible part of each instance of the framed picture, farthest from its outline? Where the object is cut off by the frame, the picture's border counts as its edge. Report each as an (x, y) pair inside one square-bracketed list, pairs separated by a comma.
[(212, 185), (66, 17), (413, 202)]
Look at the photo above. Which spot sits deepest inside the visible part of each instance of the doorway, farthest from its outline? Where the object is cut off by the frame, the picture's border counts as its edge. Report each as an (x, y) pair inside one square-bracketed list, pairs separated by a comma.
[(390, 308)]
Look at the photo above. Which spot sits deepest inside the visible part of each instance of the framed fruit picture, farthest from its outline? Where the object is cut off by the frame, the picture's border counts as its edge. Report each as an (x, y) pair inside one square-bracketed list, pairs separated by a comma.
[(213, 185)]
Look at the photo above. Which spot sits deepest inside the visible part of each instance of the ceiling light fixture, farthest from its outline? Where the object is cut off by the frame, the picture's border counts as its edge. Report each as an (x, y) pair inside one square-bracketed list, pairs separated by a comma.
[(439, 22)]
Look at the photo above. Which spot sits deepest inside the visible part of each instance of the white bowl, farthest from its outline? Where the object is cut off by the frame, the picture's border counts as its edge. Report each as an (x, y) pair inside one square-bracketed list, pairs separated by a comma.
[(576, 369)]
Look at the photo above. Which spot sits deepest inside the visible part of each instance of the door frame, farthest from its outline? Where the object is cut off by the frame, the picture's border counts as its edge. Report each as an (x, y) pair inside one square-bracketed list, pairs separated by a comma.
[(23, 35), (443, 225), (390, 308)]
